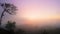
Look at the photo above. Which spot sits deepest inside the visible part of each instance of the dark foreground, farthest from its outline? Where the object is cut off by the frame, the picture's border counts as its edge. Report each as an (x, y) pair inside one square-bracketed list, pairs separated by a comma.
[(41, 31)]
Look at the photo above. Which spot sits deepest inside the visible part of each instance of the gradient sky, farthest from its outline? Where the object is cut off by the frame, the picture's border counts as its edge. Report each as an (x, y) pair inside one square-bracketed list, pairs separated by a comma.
[(34, 10)]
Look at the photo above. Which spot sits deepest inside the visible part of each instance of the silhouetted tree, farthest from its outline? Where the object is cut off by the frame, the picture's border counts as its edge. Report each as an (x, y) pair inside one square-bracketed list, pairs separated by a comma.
[(8, 8), (10, 26)]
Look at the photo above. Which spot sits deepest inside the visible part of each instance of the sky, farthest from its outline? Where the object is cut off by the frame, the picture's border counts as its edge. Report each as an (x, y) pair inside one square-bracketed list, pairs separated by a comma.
[(34, 12)]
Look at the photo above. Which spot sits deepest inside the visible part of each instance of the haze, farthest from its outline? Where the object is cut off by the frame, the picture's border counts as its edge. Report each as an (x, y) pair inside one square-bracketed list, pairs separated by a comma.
[(36, 12)]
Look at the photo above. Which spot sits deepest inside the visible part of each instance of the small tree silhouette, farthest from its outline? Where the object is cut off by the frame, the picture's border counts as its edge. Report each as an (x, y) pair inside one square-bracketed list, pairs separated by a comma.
[(10, 26), (8, 8)]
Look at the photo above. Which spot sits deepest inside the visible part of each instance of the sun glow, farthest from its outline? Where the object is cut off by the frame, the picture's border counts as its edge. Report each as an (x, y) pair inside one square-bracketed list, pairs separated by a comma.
[(38, 12)]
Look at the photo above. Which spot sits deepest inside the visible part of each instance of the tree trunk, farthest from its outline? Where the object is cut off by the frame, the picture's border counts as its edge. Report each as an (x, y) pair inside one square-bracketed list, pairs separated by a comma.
[(1, 17)]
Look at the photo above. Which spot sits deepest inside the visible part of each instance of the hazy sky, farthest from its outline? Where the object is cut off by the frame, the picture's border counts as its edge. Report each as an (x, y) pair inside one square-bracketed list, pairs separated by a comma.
[(34, 10)]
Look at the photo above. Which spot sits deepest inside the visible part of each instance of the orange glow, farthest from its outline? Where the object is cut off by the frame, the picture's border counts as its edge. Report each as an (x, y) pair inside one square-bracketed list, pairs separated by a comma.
[(37, 14)]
